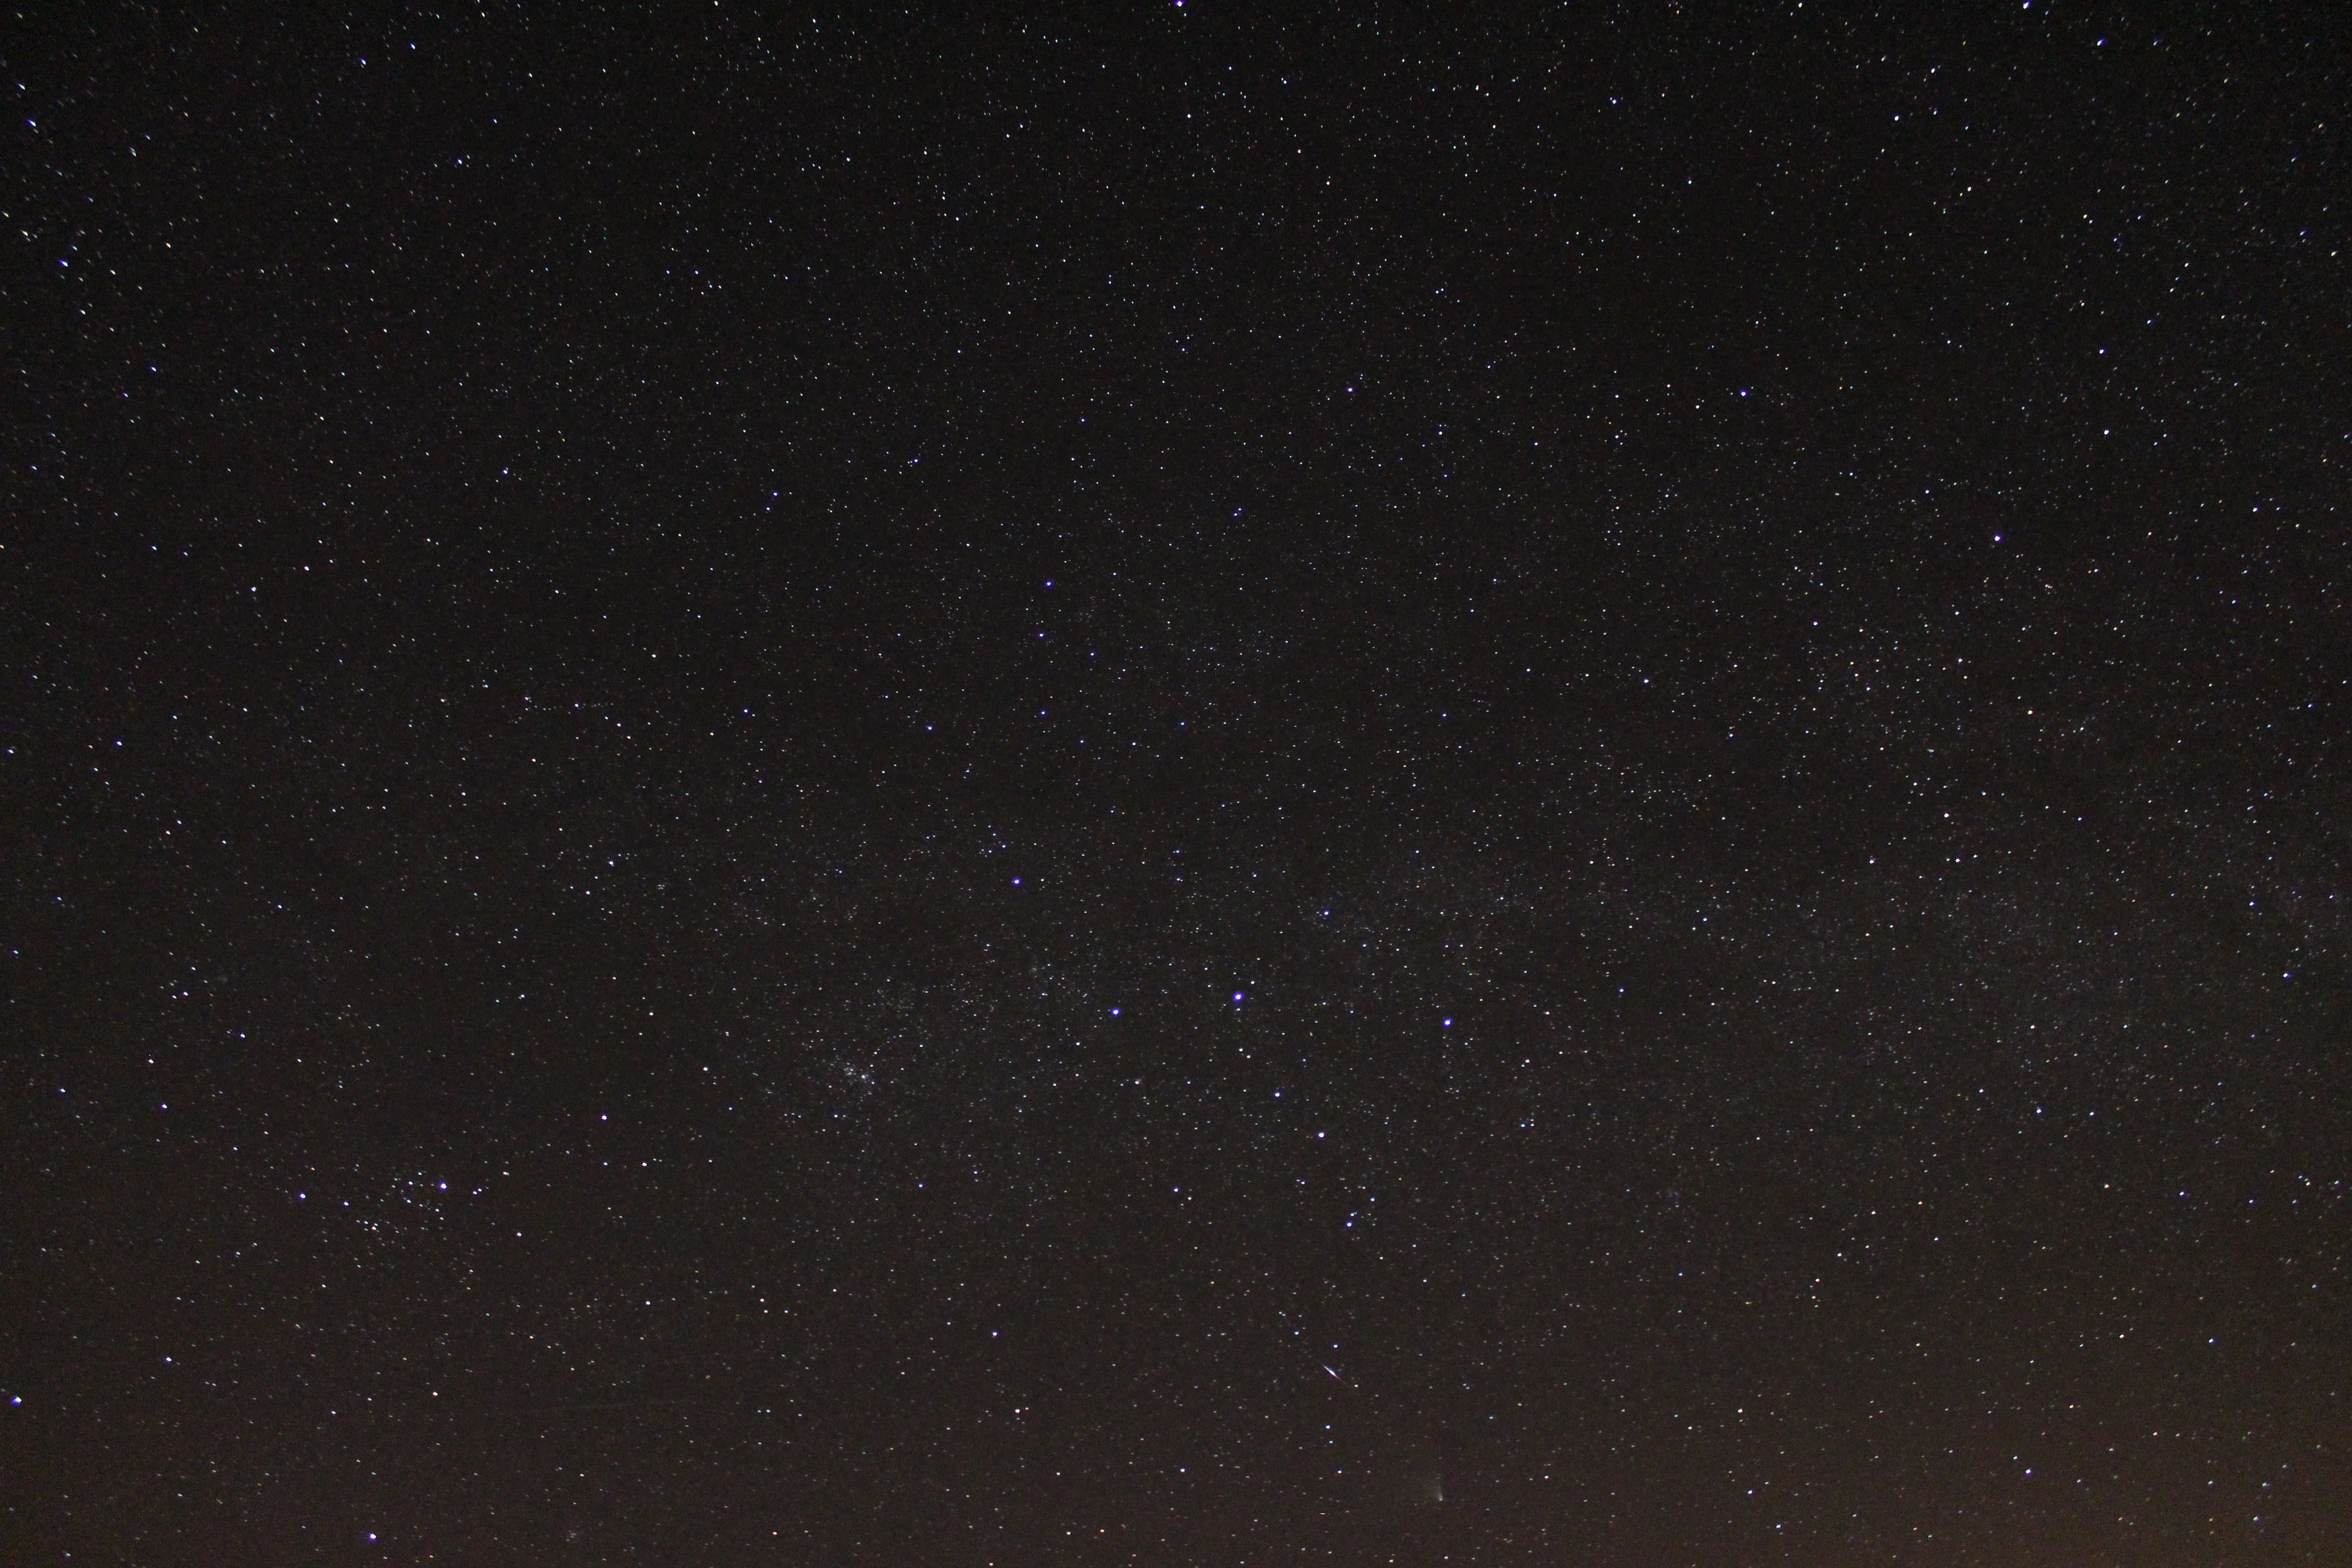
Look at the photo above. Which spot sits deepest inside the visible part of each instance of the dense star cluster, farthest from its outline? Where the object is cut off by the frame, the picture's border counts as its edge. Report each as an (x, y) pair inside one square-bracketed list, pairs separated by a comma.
[(1126, 786)]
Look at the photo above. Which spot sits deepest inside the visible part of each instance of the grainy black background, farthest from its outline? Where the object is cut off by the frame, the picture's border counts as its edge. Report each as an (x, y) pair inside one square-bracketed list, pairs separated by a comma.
[(1137, 784)]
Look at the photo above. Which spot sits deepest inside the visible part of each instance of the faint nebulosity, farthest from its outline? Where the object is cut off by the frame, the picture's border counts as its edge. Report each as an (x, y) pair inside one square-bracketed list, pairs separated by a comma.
[(1142, 784)]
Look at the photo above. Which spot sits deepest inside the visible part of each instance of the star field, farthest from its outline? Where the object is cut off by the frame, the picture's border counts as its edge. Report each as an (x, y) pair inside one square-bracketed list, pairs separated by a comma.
[(1140, 786)]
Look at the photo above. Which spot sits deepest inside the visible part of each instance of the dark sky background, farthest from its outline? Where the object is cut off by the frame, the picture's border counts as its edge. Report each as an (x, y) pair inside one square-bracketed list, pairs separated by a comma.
[(1129, 786)]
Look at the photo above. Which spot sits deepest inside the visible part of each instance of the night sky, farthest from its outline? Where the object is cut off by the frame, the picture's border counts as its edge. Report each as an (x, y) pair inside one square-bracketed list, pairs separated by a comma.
[(1145, 785)]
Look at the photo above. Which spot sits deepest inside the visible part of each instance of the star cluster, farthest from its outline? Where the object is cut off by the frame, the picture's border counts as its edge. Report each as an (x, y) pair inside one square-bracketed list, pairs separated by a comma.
[(1143, 787)]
